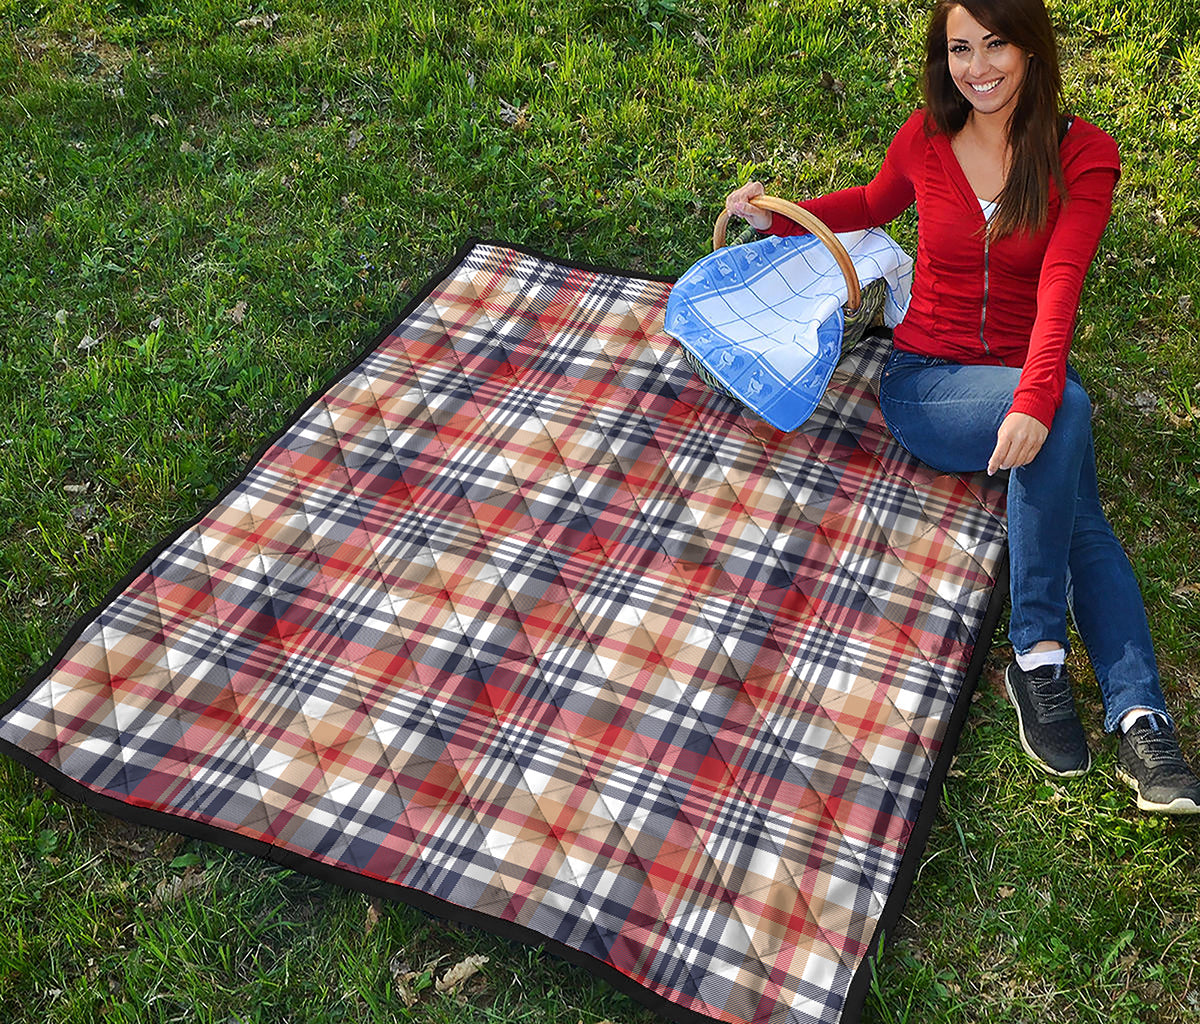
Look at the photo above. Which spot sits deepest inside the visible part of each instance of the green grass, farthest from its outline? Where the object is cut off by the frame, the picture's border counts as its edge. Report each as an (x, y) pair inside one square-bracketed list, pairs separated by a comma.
[(227, 213)]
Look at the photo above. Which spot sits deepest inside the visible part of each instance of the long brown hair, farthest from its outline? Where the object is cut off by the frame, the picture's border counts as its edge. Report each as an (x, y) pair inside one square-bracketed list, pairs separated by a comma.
[(1035, 125)]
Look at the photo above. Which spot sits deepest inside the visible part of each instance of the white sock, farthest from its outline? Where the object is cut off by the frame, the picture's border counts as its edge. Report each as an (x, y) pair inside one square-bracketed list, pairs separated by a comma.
[(1037, 659), (1130, 717)]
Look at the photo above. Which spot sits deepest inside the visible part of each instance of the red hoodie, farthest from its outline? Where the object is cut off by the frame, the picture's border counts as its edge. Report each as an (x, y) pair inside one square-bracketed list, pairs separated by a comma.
[(1010, 301)]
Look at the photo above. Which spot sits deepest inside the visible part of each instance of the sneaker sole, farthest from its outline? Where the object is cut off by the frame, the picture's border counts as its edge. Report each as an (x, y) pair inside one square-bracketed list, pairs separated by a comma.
[(1072, 773), (1180, 805)]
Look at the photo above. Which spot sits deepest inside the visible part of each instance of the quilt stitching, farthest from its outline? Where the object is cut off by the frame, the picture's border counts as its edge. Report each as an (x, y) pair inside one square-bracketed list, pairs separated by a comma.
[(520, 616)]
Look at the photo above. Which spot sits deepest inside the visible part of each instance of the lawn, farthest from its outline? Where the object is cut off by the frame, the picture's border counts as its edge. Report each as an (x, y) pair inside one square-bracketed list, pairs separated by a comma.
[(206, 207)]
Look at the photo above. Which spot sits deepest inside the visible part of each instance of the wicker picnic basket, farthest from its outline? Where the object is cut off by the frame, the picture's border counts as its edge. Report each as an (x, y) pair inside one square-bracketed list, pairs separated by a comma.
[(862, 309)]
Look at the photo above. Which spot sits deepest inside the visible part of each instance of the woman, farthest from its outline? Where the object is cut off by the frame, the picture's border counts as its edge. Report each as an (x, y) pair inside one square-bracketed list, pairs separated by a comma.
[(1012, 198)]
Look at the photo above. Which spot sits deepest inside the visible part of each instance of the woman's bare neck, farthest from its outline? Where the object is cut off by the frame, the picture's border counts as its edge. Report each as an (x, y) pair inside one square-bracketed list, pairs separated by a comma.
[(986, 132), (982, 150)]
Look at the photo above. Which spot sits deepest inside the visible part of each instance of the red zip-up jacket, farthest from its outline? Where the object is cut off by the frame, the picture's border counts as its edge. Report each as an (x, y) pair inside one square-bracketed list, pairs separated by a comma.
[(1010, 301)]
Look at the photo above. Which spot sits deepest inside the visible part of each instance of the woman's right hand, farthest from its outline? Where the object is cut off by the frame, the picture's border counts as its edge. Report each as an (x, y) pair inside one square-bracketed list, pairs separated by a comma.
[(737, 204)]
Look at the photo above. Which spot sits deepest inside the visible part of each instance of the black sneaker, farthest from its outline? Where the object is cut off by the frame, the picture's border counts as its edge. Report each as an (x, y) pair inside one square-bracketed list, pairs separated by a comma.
[(1149, 760), (1051, 732)]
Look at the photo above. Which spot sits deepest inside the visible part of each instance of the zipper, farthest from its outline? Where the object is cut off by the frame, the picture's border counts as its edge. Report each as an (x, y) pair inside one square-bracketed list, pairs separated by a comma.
[(983, 308)]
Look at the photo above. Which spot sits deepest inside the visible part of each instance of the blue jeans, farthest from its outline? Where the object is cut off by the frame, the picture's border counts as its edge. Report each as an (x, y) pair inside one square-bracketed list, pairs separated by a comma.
[(1062, 551)]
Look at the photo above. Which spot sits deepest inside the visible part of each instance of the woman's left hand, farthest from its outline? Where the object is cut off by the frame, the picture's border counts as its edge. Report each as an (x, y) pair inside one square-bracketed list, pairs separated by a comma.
[(1018, 441)]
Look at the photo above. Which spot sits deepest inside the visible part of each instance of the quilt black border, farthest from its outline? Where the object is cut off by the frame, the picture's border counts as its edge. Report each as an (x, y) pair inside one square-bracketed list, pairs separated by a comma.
[(860, 984)]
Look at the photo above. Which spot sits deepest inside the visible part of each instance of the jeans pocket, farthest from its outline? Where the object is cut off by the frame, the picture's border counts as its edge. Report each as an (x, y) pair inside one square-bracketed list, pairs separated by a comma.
[(892, 428), (899, 361)]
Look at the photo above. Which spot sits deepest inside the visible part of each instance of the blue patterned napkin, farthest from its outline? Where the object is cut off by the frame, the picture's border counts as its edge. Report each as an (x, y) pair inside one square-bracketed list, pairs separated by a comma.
[(765, 319)]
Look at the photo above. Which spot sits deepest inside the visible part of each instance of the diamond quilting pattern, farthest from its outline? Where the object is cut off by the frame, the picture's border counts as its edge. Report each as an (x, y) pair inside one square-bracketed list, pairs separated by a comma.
[(520, 615)]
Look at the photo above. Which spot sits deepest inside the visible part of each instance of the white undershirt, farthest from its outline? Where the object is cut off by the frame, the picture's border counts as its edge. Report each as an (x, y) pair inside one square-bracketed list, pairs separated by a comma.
[(988, 206)]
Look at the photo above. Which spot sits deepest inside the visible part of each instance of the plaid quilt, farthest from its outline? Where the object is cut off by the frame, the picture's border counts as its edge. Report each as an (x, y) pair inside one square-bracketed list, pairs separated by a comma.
[(519, 621)]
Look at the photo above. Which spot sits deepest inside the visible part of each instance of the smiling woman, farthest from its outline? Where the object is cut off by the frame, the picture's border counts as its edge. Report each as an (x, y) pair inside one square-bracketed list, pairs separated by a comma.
[(997, 90), (987, 69), (1012, 198)]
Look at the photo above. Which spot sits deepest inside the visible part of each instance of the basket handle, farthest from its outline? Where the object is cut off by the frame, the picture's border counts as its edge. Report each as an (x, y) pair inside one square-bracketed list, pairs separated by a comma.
[(806, 220)]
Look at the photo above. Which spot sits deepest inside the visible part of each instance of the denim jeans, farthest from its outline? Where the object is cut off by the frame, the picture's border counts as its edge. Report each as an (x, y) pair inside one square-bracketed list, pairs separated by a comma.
[(1062, 551)]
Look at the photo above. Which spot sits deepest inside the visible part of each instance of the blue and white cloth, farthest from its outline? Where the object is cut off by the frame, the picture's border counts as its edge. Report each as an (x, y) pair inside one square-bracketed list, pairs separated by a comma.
[(765, 319)]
